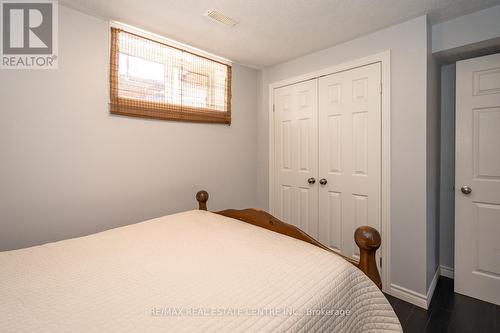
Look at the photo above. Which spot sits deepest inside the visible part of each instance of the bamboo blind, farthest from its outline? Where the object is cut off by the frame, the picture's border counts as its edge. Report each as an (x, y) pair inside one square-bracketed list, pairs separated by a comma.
[(154, 80)]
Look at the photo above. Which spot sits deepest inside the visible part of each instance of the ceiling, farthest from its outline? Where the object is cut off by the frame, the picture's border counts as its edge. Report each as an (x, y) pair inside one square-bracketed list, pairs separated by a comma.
[(271, 31)]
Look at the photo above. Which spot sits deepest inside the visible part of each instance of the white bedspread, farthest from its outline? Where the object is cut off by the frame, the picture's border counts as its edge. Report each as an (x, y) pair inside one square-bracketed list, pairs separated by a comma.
[(189, 272)]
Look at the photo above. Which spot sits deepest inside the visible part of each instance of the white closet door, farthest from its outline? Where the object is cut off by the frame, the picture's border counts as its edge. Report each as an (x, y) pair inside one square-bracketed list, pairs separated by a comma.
[(296, 155), (477, 179), (350, 155)]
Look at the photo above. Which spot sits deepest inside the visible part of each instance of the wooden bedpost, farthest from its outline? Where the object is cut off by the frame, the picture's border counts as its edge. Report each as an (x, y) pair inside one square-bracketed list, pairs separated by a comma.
[(368, 239), (202, 197)]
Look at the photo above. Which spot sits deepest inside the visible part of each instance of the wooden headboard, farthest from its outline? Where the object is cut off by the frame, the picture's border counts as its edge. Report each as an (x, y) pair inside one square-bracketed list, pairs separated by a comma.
[(367, 238)]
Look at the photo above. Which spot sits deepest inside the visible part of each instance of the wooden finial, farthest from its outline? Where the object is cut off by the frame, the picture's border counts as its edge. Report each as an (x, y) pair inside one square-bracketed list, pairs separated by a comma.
[(202, 197), (368, 239)]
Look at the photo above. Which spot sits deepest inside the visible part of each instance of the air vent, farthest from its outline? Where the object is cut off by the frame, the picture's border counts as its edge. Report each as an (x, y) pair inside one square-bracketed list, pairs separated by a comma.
[(216, 15)]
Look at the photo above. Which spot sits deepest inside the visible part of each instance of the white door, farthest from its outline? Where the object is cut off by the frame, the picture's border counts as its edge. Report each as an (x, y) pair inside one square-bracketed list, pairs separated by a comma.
[(350, 156), (296, 155), (477, 214)]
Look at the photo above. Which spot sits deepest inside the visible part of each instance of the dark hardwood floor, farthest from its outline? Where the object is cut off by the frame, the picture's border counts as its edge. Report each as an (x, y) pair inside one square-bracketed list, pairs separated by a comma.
[(448, 312)]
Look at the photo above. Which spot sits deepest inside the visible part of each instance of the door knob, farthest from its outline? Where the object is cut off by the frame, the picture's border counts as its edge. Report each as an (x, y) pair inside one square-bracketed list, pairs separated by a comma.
[(465, 189), (311, 180), (323, 181)]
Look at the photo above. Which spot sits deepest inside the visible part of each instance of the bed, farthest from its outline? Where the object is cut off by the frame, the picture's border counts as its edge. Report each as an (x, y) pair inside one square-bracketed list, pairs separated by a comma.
[(196, 271)]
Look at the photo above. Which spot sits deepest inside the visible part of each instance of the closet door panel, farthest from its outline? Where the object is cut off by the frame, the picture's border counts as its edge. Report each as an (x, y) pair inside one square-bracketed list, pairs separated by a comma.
[(349, 121), (296, 155)]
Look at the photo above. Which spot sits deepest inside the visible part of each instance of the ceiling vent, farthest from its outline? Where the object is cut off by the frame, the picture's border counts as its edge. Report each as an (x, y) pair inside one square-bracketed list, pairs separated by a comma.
[(216, 15)]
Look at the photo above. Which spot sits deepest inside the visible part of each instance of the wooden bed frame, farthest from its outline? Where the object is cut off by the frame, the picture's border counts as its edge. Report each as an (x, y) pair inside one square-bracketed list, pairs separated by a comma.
[(367, 238)]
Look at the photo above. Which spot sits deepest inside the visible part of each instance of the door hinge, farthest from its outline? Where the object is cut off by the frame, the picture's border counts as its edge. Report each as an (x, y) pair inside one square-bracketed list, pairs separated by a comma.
[(380, 87), (273, 107), (380, 260)]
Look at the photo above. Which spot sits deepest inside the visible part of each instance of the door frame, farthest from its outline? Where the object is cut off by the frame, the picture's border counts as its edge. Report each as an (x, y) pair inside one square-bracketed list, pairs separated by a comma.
[(385, 60)]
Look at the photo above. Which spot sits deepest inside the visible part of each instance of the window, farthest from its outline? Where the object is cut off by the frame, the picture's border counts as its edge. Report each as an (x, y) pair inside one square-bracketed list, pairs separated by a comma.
[(154, 80)]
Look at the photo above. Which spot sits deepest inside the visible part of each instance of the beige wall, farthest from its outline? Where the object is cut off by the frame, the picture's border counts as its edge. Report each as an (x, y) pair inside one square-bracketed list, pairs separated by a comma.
[(69, 168)]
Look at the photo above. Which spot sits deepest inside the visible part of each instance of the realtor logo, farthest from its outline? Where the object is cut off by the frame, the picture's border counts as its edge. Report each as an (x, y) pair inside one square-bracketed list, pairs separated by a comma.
[(29, 34)]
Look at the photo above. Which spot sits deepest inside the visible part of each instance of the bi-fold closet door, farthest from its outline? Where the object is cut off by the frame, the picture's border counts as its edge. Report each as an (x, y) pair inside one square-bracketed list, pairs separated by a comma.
[(328, 155), (296, 155)]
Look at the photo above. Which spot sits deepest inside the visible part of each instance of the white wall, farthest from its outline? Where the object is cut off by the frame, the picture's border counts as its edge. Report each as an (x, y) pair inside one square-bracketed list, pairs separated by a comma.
[(432, 228), (447, 178), (465, 30), (408, 45), (69, 168), (464, 37)]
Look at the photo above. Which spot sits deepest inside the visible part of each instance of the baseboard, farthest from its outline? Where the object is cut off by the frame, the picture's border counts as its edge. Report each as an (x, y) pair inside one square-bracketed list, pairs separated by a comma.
[(413, 297), (409, 296), (432, 287), (448, 272)]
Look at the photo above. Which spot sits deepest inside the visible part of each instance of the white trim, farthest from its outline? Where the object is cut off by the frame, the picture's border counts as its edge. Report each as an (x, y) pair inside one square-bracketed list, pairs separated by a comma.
[(168, 41), (409, 296), (432, 287), (271, 149), (449, 272), (385, 59), (379, 57), (413, 297)]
